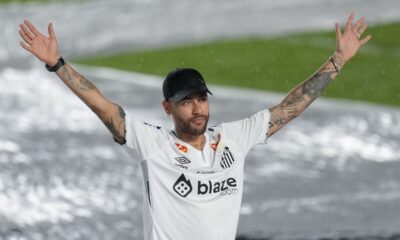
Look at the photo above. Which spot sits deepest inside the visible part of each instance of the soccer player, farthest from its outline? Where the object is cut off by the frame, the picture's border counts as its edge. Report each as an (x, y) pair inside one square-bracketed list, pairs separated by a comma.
[(192, 174)]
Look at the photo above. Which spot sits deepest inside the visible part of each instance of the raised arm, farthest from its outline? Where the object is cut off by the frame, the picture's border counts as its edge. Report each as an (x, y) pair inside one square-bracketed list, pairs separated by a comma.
[(300, 97), (46, 50)]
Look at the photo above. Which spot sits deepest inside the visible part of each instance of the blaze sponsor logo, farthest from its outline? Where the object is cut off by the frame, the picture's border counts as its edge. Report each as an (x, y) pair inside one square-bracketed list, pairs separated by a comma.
[(182, 186), (226, 159), (225, 187), (181, 147), (181, 161)]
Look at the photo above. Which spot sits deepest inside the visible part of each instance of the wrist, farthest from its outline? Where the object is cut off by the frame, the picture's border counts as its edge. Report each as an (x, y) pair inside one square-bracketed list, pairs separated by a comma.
[(53, 61), (54, 67), (339, 59), (336, 62)]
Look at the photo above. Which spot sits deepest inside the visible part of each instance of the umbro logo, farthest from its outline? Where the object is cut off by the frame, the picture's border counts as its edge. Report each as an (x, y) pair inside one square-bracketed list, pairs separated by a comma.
[(182, 186), (182, 160)]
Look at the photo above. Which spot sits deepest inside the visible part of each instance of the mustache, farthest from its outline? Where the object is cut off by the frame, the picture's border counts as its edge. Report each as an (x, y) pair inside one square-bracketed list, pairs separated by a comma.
[(202, 117)]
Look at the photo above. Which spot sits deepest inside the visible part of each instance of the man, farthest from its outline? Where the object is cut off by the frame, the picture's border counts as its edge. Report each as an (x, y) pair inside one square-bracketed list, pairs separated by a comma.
[(193, 175)]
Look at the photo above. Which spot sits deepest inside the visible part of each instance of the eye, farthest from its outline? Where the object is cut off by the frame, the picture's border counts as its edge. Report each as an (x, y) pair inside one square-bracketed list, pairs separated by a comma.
[(203, 98), (185, 102)]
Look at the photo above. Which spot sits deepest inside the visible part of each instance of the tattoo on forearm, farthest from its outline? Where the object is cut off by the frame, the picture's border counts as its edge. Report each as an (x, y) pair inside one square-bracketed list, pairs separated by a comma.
[(112, 115), (301, 96), (74, 79), (85, 84), (65, 75), (317, 83)]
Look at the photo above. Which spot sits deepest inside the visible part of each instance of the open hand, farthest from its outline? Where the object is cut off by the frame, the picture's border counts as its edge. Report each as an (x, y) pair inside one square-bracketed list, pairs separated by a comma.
[(44, 48), (348, 43)]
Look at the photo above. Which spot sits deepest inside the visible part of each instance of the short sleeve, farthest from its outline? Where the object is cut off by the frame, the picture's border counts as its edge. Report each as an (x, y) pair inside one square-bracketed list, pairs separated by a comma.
[(142, 138), (249, 131)]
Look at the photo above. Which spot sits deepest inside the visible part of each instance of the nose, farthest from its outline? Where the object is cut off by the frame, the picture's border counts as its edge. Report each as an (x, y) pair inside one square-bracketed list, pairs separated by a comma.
[(197, 110)]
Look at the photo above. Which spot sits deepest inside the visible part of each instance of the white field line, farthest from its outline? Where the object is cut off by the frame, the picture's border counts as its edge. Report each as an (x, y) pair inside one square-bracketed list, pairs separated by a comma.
[(228, 92)]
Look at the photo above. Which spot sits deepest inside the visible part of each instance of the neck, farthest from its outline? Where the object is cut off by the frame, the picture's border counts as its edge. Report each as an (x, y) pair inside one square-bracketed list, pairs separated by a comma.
[(196, 141)]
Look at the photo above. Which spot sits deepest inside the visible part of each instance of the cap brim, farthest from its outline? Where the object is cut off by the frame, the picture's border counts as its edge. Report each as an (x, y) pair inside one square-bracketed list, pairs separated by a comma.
[(181, 95)]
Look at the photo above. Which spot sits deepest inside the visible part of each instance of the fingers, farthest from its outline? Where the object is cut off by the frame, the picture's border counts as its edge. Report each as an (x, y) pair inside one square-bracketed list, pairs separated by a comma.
[(27, 39), (365, 40), (363, 28), (349, 23), (52, 35), (26, 46), (359, 28), (31, 27), (51, 31), (338, 35), (358, 24), (26, 31), (27, 35), (338, 31)]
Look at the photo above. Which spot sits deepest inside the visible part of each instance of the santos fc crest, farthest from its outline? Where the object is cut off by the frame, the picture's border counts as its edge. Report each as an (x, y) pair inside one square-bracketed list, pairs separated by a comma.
[(226, 159)]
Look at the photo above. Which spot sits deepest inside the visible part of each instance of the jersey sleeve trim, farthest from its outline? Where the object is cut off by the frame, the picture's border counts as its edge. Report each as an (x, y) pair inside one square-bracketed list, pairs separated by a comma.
[(267, 117)]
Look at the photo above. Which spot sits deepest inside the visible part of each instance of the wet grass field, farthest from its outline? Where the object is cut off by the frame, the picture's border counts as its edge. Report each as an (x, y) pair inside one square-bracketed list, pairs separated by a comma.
[(278, 64)]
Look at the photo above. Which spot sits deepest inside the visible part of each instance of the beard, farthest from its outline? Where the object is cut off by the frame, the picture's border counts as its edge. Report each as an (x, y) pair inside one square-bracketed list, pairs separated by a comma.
[(190, 128)]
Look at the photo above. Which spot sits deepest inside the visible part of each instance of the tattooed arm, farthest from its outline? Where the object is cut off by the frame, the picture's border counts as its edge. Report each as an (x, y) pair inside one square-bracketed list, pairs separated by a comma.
[(110, 114), (46, 50), (299, 98)]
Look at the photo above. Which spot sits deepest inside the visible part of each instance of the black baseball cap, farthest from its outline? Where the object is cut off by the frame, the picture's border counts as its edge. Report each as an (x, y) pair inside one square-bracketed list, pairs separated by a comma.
[(181, 82)]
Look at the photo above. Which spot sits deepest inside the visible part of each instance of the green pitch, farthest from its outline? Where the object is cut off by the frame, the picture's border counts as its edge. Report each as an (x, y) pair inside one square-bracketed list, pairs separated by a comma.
[(278, 64)]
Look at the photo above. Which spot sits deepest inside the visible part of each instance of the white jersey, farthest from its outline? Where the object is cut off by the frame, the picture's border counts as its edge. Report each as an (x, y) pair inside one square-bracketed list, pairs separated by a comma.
[(188, 193)]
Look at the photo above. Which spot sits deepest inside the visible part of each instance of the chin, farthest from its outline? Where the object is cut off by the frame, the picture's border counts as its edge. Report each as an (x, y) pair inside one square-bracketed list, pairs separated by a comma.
[(198, 130)]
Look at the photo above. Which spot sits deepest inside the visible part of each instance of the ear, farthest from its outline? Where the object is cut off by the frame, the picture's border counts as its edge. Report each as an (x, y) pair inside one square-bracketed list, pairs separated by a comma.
[(167, 106)]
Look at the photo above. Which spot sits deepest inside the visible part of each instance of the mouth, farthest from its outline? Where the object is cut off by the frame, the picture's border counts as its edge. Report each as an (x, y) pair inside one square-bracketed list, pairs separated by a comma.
[(198, 121)]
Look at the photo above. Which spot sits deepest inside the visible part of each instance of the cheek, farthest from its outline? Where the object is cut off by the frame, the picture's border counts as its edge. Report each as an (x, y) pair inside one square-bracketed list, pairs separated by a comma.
[(181, 113), (206, 108)]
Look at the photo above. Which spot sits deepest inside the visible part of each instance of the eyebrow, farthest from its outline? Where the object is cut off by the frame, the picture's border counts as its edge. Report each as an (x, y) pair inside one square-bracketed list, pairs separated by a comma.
[(189, 98), (185, 98)]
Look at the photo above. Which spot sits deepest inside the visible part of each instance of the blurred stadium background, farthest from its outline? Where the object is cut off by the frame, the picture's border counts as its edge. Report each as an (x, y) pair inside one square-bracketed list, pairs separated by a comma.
[(330, 174)]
